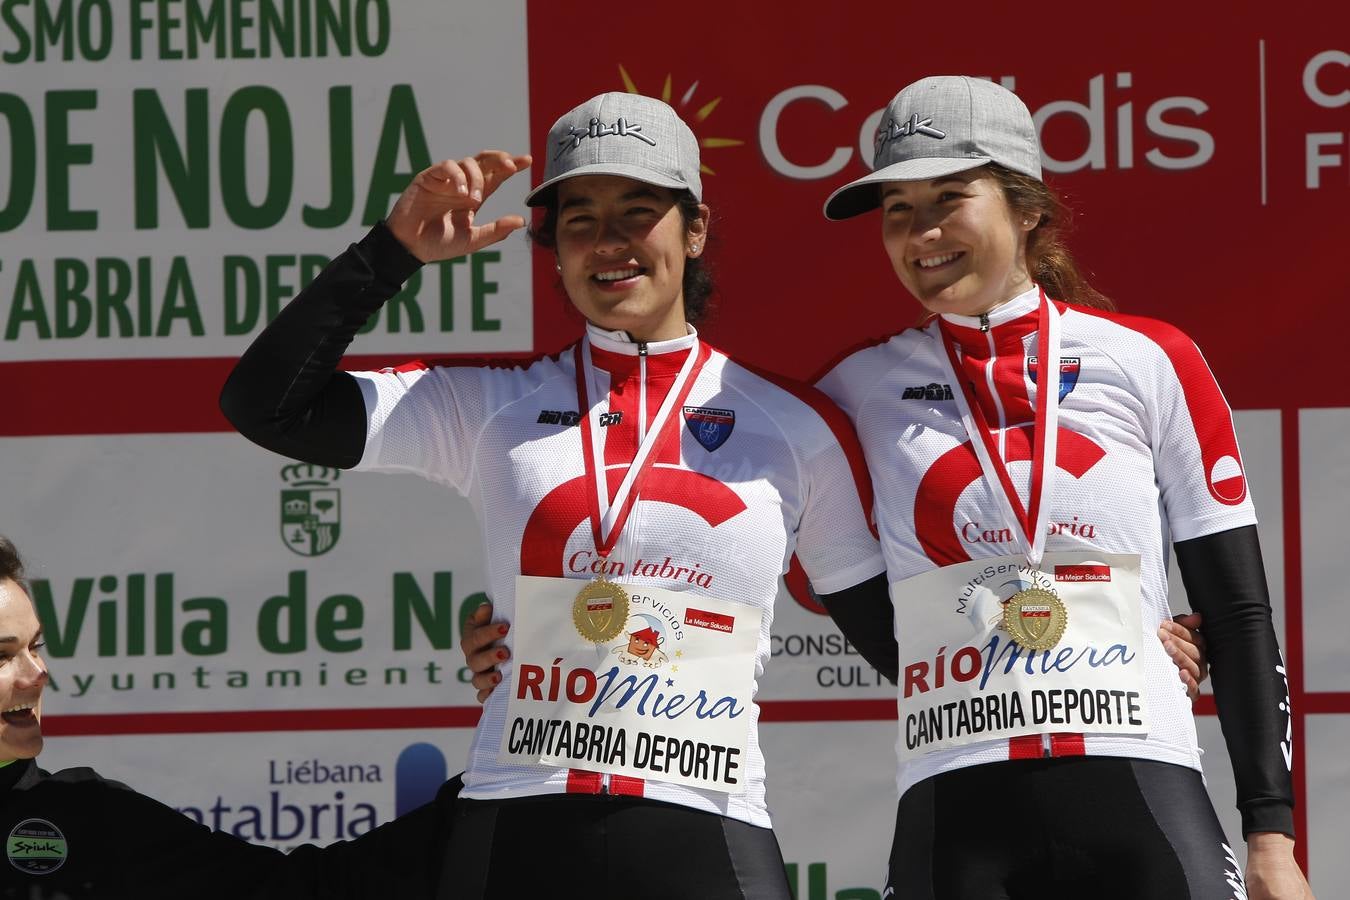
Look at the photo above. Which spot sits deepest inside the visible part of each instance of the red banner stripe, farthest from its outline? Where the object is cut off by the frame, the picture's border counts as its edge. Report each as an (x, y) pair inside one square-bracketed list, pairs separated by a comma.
[(859, 710), (261, 720), (106, 396)]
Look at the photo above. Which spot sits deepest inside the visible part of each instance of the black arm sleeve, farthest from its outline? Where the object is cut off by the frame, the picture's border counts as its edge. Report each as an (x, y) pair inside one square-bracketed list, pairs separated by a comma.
[(286, 393), (1226, 582), (402, 858), (118, 844), (864, 614)]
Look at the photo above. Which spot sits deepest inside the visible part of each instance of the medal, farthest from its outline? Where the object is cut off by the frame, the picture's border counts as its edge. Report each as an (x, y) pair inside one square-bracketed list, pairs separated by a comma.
[(600, 610), (1035, 618), (607, 519)]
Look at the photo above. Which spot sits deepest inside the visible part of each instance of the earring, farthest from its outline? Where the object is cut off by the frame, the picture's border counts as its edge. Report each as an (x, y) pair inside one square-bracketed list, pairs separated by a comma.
[(557, 264), (694, 248)]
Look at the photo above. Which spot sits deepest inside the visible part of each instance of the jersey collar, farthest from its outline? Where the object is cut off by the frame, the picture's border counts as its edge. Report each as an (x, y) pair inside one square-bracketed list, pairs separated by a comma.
[(621, 343), (1015, 308), (1004, 326)]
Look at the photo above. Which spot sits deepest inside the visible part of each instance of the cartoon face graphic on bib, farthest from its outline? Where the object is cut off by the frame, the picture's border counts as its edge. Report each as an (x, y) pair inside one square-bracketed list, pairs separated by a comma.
[(643, 648)]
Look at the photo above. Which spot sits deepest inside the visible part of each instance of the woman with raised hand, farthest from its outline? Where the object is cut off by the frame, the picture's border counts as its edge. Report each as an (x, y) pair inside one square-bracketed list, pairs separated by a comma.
[(1026, 516), (639, 494)]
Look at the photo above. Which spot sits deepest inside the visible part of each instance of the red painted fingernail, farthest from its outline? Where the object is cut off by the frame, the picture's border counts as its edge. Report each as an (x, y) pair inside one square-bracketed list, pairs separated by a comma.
[(502, 629), (496, 678), (501, 654)]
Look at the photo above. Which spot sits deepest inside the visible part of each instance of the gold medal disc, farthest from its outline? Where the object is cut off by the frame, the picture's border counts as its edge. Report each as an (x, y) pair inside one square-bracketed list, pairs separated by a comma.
[(600, 610), (1035, 618)]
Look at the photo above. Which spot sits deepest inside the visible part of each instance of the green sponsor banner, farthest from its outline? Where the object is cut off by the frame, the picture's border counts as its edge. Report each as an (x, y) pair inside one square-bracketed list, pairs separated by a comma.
[(222, 152)]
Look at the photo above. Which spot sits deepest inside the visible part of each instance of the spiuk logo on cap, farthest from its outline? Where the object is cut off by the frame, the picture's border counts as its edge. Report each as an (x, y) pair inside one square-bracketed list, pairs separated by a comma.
[(626, 135), (980, 123), (892, 130), (597, 129)]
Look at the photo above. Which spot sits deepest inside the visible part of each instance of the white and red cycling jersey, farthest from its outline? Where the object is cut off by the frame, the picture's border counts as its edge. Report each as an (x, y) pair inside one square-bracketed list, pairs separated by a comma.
[(1146, 455), (761, 470)]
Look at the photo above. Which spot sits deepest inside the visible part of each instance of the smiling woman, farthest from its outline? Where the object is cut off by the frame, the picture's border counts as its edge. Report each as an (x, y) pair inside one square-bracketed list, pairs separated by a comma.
[(74, 834), (77, 835), (630, 478), (1077, 449), (23, 674), (963, 266), (697, 282)]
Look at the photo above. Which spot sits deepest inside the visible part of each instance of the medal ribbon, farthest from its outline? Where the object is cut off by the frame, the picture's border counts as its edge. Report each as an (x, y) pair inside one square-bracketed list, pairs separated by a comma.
[(607, 519), (1029, 524)]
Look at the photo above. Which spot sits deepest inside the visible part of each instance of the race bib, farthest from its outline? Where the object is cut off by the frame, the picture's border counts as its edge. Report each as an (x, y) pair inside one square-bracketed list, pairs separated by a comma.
[(964, 679), (634, 681)]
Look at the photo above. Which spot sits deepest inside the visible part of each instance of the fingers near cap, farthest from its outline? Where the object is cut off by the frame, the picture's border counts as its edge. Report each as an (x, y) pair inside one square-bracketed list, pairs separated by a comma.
[(474, 172), (491, 233), (498, 167), (445, 177), (494, 158), (502, 159)]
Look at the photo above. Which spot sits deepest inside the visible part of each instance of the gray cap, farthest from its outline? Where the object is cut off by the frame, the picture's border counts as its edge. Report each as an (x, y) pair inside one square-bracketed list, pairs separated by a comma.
[(621, 134), (939, 126)]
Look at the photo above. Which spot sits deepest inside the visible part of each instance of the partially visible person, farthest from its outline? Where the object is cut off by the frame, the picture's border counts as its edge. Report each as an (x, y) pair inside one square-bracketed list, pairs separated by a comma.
[(74, 835)]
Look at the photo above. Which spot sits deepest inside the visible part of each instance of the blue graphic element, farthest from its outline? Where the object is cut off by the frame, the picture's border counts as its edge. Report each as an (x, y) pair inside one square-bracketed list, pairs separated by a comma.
[(418, 775), (1069, 367), (710, 427)]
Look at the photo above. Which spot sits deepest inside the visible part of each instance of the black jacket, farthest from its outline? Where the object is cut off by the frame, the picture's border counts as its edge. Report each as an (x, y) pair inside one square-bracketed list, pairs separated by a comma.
[(74, 835)]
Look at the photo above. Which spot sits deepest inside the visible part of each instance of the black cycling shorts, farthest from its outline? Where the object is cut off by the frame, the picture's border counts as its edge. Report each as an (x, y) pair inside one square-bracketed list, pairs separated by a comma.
[(562, 846), (1107, 828)]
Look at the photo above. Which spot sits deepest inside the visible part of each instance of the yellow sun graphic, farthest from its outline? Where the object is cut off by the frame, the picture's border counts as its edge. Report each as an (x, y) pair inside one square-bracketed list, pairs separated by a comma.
[(707, 143)]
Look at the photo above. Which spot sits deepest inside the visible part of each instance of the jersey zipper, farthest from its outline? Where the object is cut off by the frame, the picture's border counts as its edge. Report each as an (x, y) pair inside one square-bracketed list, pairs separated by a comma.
[(993, 388), (642, 392)]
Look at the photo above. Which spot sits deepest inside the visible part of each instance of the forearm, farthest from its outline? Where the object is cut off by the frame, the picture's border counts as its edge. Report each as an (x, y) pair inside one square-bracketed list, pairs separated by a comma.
[(401, 858), (866, 618), (1226, 583), (286, 393)]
